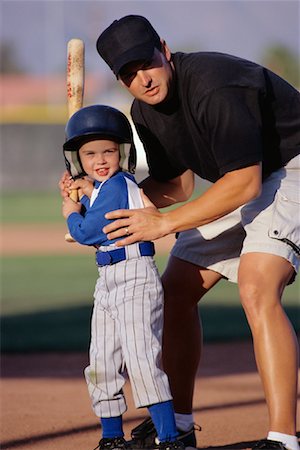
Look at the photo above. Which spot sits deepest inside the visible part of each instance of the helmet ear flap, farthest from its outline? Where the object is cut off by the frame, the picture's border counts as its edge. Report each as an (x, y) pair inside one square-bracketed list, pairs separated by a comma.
[(73, 164), (127, 157)]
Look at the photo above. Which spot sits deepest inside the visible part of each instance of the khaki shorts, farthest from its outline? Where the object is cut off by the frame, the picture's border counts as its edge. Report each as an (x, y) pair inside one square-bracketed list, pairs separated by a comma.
[(268, 224)]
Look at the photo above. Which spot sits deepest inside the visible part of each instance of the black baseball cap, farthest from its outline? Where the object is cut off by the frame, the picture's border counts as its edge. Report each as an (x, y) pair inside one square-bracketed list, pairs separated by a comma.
[(132, 38)]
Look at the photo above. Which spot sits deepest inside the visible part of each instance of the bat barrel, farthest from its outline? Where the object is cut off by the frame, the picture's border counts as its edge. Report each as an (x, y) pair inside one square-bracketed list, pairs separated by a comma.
[(75, 88), (75, 75)]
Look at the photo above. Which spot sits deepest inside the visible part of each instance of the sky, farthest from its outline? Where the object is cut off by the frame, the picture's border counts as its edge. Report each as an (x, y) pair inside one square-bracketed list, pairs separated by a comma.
[(38, 30)]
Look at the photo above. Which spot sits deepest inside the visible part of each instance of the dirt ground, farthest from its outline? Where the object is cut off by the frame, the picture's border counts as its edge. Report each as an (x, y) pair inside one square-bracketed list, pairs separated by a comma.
[(49, 239), (45, 404), (44, 399)]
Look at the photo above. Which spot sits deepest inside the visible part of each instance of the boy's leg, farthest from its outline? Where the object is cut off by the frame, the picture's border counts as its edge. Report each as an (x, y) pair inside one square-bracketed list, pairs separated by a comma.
[(140, 324), (162, 415), (104, 374), (112, 427), (112, 434)]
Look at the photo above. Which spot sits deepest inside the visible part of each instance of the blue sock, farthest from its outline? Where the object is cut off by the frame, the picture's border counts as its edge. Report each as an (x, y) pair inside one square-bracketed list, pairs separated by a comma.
[(112, 427), (162, 415)]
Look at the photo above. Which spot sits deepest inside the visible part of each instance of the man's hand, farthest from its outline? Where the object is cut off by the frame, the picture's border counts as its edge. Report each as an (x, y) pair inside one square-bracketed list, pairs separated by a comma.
[(69, 206), (145, 224)]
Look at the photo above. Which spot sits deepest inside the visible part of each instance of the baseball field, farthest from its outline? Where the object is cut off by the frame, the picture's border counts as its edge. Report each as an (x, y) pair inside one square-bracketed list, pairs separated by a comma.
[(46, 301)]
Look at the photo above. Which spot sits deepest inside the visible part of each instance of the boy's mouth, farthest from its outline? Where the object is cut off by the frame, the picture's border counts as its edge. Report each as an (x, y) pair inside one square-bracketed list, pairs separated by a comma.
[(102, 172)]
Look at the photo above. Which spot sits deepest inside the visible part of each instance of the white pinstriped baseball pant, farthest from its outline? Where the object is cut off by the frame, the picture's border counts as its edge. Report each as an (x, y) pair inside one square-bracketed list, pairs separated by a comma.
[(126, 330)]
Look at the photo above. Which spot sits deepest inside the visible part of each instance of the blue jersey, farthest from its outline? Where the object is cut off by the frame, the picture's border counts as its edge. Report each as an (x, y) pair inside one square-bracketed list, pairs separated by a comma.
[(118, 192)]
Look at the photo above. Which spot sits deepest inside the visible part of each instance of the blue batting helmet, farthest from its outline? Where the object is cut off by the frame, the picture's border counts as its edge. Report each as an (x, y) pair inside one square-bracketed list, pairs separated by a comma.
[(98, 122)]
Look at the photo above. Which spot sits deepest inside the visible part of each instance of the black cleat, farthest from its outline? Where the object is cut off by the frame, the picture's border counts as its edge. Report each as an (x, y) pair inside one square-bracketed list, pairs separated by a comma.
[(267, 444), (118, 443), (143, 436), (170, 445)]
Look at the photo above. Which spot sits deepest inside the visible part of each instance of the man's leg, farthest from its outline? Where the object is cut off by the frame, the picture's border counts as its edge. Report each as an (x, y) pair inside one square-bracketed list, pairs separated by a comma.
[(262, 279), (184, 285)]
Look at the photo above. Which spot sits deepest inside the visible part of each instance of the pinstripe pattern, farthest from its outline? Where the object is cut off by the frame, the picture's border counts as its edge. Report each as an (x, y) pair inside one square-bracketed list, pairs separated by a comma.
[(127, 331)]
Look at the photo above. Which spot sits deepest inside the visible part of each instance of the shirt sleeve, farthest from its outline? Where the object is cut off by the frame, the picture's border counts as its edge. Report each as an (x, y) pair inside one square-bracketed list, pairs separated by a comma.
[(85, 201), (87, 230), (232, 118)]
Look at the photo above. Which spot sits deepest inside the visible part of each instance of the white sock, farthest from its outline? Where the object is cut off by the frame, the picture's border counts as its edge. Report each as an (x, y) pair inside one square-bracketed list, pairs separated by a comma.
[(184, 421), (291, 442)]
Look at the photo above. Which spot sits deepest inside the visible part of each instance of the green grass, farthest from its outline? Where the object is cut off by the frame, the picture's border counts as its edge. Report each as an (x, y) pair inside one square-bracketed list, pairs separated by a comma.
[(33, 207), (39, 207), (40, 283), (47, 304)]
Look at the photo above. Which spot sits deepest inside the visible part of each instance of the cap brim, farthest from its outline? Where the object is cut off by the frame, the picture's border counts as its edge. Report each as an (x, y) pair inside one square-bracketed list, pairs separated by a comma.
[(139, 53)]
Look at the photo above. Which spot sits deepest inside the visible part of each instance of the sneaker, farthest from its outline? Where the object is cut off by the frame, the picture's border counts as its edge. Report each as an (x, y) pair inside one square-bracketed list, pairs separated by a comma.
[(267, 444), (173, 445), (117, 443), (143, 436)]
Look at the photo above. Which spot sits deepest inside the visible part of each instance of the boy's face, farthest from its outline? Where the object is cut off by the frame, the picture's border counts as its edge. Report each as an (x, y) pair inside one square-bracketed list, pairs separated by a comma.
[(100, 159)]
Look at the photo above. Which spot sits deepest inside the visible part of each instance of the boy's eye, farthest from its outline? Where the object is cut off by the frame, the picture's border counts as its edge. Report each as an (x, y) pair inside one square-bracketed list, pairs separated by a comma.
[(110, 150)]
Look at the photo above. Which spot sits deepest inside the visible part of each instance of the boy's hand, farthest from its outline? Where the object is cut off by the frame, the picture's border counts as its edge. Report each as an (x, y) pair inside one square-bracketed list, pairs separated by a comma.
[(68, 207), (64, 184), (85, 186)]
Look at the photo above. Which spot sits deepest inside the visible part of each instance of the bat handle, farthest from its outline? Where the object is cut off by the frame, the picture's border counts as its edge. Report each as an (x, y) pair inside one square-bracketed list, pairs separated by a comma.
[(68, 238), (74, 195)]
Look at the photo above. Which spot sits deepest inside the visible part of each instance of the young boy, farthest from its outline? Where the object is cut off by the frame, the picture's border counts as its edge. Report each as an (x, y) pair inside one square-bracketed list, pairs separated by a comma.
[(126, 328)]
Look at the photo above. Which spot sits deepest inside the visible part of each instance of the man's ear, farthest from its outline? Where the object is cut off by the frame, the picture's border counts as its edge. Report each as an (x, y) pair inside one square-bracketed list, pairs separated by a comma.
[(165, 50)]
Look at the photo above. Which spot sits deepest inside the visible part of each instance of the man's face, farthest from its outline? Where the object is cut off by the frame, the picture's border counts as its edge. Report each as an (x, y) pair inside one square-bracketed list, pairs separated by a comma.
[(149, 81)]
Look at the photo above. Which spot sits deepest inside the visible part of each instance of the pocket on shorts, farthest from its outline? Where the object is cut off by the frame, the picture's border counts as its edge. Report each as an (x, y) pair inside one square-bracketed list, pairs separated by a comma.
[(285, 223)]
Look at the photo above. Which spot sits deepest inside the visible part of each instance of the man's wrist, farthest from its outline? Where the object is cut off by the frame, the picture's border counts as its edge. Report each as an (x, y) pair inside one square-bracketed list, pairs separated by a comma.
[(167, 226)]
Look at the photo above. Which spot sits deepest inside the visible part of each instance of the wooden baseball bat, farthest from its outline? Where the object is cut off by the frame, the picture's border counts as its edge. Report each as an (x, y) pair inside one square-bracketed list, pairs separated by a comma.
[(75, 89)]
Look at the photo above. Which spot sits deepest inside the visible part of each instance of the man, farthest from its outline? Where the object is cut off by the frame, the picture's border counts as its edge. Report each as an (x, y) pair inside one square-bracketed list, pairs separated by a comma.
[(236, 124)]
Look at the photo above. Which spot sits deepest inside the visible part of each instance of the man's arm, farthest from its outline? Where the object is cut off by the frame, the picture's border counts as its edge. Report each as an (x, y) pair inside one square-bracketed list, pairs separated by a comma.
[(169, 192), (231, 191)]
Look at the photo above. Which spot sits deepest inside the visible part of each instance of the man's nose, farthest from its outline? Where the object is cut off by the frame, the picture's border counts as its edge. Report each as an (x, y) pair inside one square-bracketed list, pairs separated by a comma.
[(144, 77)]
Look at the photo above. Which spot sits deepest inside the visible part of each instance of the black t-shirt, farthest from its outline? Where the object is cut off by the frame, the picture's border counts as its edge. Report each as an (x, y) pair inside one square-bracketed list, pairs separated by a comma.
[(226, 113)]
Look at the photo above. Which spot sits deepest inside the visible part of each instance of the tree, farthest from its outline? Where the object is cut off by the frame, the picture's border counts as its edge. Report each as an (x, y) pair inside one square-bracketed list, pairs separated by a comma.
[(8, 60), (283, 62)]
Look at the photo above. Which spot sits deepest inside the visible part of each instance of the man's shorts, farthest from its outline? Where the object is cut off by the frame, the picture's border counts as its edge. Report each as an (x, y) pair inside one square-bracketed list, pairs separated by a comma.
[(268, 224)]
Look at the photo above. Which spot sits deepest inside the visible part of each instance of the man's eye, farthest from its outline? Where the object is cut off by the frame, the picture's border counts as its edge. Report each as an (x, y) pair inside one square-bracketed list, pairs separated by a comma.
[(129, 76), (147, 65)]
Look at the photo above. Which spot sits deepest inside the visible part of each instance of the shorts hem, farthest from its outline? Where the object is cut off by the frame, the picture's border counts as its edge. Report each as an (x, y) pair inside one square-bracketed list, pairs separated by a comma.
[(277, 249), (227, 269)]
